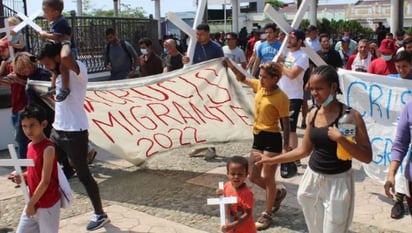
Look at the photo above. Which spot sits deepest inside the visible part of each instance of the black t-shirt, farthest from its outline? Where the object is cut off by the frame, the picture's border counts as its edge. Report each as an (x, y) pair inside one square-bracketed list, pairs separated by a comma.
[(324, 159), (173, 62), (332, 57)]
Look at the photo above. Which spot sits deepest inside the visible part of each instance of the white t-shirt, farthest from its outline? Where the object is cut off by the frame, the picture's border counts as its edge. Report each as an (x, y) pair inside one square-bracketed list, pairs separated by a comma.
[(70, 114), (294, 88), (236, 54)]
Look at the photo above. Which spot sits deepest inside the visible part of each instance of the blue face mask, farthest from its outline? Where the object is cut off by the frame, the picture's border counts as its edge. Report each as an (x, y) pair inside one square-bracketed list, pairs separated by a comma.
[(328, 100), (143, 51), (165, 51)]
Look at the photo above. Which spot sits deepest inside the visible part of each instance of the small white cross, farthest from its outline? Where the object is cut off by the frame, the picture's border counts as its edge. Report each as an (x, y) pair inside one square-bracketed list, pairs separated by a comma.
[(189, 31), (28, 21), (222, 201), (17, 164), (285, 27)]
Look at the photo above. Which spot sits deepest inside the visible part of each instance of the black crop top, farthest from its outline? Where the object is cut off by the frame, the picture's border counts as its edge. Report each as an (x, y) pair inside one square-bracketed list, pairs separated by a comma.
[(323, 159)]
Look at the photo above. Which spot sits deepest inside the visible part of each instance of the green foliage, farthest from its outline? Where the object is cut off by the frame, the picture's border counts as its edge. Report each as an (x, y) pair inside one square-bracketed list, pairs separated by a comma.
[(125, 11), (335, 28), (275, 3)]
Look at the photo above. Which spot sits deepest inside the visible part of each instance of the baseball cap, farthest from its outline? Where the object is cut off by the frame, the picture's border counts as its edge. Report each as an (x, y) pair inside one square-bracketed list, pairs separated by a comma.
[(387, 46), (345, 39), (299, 34)]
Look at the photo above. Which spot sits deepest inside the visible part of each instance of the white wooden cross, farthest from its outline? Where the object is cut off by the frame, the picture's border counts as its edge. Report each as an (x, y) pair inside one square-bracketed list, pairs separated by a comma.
[(189, 31), (285, 27), (222, 201), (28, 21), (17, 164), (7, 30)]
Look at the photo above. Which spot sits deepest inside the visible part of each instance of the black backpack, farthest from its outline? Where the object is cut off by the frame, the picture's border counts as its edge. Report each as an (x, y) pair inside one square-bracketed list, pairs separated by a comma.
[(123, 44)]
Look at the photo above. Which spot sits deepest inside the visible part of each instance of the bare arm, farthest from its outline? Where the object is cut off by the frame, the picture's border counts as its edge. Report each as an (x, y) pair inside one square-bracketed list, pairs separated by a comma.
[(239, 75), (256, 64), (233, 225), (292, 72), (390, 181)]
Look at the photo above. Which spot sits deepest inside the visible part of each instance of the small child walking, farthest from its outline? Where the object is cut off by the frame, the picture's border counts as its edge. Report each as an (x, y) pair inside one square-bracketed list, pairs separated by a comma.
[(239, 215), (42, 213), (60, 31)]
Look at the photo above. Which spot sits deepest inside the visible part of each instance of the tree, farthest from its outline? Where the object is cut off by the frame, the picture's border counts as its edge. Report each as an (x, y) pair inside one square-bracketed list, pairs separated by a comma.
[(275, 4), (126, 10)]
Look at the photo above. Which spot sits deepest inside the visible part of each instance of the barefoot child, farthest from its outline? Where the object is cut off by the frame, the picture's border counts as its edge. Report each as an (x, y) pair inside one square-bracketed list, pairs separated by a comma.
[(42, 212), (60, 32), (240, 215)]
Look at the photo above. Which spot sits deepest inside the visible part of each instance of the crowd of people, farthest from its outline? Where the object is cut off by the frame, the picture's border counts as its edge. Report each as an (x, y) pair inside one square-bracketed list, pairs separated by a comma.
[(283, 89)]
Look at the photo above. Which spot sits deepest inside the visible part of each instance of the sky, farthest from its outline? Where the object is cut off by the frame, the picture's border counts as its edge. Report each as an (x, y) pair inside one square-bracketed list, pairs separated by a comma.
[(147, 5)]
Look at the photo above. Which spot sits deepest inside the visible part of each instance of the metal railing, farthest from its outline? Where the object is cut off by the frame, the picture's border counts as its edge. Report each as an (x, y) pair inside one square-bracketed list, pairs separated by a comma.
[(89, 36)]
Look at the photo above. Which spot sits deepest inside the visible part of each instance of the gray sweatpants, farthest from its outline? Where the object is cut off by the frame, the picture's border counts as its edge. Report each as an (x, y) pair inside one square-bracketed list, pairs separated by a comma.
[(46, 220), (327, 201)]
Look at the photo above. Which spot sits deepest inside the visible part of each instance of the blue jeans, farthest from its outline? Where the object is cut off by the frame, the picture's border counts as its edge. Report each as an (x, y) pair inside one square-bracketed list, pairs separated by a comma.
[(19, 136)]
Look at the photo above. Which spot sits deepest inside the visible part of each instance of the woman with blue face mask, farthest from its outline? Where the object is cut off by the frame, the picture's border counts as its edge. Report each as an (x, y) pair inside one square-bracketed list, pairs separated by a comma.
[(326, 191)]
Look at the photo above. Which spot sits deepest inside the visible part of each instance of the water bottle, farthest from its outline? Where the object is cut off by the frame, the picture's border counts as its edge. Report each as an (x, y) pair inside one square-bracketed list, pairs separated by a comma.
[(347, 126)]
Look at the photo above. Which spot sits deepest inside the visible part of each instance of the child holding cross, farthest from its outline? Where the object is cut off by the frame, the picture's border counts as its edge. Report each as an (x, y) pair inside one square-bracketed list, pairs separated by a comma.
[(61, 32), (42, 212), (240, 214)]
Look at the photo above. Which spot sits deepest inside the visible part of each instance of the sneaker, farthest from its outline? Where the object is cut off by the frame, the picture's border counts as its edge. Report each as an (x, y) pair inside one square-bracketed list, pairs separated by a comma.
[(210, 154), (264, 221), (98, 220), (280, 195), (91, 155), (398, 210), (64, 92), (196, 152)]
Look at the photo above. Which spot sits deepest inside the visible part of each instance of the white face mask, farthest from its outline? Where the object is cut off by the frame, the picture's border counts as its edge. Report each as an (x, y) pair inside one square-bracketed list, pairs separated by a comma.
[(262, 36), (143, 51), (386, 57)]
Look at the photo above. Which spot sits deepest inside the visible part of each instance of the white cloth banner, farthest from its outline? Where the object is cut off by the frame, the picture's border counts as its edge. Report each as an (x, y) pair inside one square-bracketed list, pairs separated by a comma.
[(380, 100), (138, 118)]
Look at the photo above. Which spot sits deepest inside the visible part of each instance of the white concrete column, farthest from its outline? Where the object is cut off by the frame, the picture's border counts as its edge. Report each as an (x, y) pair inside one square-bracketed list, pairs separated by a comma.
[(157, 17), (394, 16), (313, 12), (116, 8), (235, 15), (79, 8)]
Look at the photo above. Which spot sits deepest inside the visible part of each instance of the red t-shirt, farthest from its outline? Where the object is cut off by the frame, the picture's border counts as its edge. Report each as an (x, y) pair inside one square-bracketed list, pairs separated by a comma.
[(245, 201), (382, 67), (18, 94), (52, 194)]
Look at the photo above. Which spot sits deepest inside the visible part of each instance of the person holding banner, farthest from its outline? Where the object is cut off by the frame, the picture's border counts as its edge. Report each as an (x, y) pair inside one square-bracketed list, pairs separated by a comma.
[(205, 50), (271, 106), (326, 191), (399, 152)]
